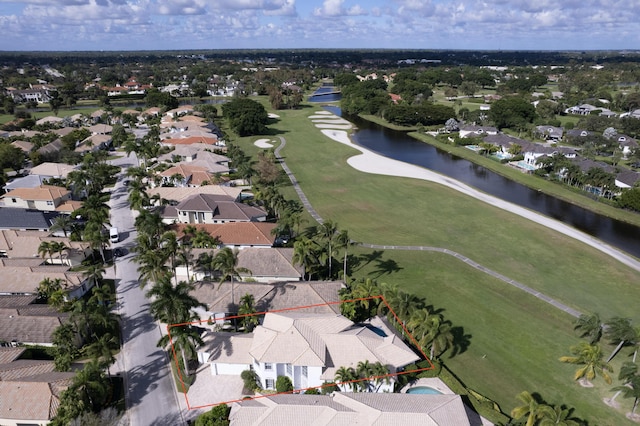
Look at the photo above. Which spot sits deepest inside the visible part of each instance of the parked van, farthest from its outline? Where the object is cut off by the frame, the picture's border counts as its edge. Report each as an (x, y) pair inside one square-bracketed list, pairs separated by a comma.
[(114, 236)]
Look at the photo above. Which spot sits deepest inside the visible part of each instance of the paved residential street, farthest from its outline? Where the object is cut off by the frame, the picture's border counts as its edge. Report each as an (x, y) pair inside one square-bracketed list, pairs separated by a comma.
[(151, 395)]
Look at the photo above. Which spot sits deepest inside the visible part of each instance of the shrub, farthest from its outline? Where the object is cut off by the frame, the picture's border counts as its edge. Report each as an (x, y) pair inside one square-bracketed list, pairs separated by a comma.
[(250, 379), (312, 391), (283, 384), (329, 387)]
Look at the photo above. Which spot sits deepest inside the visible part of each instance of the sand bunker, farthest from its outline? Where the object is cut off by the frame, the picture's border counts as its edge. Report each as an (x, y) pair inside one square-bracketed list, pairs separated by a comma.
[(334, 126), (263, 143), (336, 121), (272, 115)]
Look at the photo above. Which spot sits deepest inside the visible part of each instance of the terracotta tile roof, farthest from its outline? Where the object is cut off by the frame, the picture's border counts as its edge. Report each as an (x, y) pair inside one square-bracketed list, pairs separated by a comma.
[(10, 354), (43, 192), (27, 401), (20, 368), (236, 233), (69, 206), (191, 140), (179, 194)]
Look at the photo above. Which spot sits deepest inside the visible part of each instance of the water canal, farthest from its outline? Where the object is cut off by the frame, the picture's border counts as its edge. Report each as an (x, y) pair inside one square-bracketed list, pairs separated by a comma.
[(400, 146)]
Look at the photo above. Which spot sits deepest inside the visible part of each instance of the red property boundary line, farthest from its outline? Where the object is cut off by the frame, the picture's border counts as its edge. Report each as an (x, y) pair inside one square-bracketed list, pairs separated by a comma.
[(380, 297)]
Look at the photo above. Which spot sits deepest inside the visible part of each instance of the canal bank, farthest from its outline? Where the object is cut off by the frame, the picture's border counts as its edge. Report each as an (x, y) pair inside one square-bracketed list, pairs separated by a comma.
[(403, 147)]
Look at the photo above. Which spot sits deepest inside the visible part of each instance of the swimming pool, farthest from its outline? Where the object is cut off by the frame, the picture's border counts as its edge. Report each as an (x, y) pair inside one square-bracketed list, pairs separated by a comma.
[(424, 390)]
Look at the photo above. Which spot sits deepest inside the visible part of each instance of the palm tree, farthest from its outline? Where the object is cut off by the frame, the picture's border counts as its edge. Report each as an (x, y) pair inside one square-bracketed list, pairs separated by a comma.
[(247, 308), (48, 287), (530, 408), (304, 254), (590, 356), (91, 386), (589, 326), (202, 239), (44, 249), (184, 338), (557, 415), (326, 232), (225, 261), (102, 350), (169, 244), (364, 370), (58, 247), (94, 273), (347, 376), (173, 304), (344, 242), (380, 373), (152, 267), (631, 390), (185, 256), (627, 372), (443, 339), (619, 330), (63, 223)]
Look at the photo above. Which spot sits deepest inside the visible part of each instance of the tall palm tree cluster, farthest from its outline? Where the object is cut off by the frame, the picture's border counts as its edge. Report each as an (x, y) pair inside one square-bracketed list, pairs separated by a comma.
[(171, 304), (89, 182), (366, 377), (426, 325), (92, 332), (590, 358), (315, 249)]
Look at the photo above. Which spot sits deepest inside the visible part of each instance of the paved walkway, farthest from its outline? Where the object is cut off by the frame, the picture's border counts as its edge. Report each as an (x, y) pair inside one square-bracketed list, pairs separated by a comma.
[(468, 261)]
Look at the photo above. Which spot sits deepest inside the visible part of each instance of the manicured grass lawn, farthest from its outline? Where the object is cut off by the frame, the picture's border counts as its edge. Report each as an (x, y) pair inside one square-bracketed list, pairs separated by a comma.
[(521, 336)]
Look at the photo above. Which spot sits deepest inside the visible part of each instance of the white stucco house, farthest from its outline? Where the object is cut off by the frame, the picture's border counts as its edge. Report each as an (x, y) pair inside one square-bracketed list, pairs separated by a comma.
[(309, 348)]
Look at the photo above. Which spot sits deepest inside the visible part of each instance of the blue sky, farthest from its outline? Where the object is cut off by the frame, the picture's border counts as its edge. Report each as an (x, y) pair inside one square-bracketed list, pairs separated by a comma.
[(225, 24)]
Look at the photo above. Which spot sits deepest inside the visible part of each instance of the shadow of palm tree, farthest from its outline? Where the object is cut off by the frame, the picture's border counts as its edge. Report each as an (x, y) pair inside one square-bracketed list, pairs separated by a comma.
[(385, 267), (461, 341)]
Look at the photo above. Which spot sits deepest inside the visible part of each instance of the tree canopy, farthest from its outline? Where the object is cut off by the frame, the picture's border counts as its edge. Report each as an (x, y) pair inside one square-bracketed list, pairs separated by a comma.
[(246, 117)]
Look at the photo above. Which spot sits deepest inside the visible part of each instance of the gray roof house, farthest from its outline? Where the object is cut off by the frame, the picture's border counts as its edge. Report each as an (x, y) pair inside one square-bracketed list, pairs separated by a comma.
[(208, 208), (550, 133)]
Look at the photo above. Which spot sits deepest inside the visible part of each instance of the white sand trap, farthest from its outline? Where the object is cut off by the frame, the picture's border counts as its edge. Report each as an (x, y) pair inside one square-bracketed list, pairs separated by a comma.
[(263, 143), (336, 121), (334, 126), (370, 162), (325, 117), (323, 112), (272, 115)]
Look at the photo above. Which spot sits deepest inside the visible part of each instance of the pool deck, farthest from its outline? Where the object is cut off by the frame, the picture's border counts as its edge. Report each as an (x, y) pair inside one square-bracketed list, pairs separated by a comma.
[(432, 382)]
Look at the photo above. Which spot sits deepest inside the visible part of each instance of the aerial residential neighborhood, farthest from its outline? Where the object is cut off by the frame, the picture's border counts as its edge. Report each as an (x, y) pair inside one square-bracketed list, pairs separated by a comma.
[(258, 238)]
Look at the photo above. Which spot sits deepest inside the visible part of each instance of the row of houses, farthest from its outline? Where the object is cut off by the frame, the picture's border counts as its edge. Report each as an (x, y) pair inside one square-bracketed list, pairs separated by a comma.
[(533, 152)]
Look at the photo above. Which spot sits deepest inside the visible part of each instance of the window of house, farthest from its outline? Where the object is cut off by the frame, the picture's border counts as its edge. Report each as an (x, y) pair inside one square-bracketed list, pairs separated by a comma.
[(268, 366), (304, 371), (289, 369), (269, 383)]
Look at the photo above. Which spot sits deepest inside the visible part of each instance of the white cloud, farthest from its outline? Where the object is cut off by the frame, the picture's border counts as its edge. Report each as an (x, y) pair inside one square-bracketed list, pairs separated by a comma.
[(334, 8), (181, 7)]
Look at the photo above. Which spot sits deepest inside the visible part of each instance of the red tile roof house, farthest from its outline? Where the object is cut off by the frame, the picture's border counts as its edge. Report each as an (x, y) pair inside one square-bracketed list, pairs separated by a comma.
[(30, 390), (204, 208), (238, 235)]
